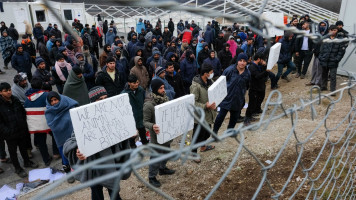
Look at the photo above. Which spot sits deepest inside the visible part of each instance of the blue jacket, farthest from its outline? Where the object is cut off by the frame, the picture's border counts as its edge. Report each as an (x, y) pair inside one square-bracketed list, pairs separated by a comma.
[(237, 85), (216, 65), (38, 101), (167, 87), (285, 54), (188, 69), (109, 38), (209, 35), (130, 47), (89, 75), (21, 62), (248, 49), (58, 119), (139, 26), (37, 33), (243, 36)]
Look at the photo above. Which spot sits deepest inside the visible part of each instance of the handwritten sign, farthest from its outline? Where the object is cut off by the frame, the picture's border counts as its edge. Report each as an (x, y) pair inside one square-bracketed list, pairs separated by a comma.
[(173, 118), (217, 91), (102, 124), (273, 55)]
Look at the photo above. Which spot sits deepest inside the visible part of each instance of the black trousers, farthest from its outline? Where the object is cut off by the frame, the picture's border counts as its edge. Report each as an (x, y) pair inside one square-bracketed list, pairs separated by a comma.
[(2, 149), (305, 56), (12, 147), (98, 194), (142, 134), (202, 135), (254, 103), (40, 140)]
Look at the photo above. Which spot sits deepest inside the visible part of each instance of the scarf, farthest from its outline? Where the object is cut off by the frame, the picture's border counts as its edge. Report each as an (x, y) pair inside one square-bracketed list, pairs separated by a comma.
[(59, 70), (76, 88), (160, 99)]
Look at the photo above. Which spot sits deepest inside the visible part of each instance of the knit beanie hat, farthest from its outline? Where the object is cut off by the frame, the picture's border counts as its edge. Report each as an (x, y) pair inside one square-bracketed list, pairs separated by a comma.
[(53, 94), (159, 70), (38, 61), (242, 56), (20, 77), (155, 85), (96, 92), (79, 54)]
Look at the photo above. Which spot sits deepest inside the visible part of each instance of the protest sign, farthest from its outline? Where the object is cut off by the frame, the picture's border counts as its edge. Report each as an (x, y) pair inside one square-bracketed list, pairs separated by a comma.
[(173, 118), (102, 124), (217, 91), (273, 55)]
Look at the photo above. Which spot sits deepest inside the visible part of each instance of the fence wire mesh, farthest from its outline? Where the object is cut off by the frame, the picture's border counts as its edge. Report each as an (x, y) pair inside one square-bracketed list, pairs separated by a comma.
[(327, 174)]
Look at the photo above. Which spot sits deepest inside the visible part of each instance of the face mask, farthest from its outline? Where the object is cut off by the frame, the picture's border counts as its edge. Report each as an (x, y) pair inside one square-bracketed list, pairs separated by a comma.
[(211, 76), (322, 29), (61, 64), (194, 45), (238, 40)]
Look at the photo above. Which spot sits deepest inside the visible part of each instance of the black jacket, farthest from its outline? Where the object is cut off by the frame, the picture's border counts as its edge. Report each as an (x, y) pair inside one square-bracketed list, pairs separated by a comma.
[(12, 32), (171, 26), (56, 32), (166, 36), (259, 77), (13, 123), (331, 53), (112, 87), (225, 58), (219, 44), (46, 77), (177, 83), (299, 44)]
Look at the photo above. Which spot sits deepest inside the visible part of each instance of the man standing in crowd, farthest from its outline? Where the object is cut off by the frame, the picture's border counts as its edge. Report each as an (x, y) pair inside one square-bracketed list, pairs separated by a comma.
[(29, 47), (21, 61), (161, 75), (215, 63), (175, 80), (285, 57), (140, 72), (57, 33), (225, 56), (343, 33), (199, 88), (137, 97), (13, 128), (256, 94), (304, 50), (237, 82), (7, 47), (171, 25), (159, 97), (330, 55), (188, 69), (20, 87)]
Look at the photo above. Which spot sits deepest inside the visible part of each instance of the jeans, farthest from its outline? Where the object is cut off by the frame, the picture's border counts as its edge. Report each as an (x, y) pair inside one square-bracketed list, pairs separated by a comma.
[(40, 140), (12, 147), (254, 103), (202, 135), (97, 193), (324, 79), (290, 68), (305, 56), (234, 115), (64, 159)]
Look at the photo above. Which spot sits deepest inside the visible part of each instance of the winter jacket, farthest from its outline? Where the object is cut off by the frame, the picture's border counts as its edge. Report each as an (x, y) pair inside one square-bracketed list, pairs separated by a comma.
[(156, 63), (188, 69), (225, 58), (167, 87), (130, 47), (285, 54), (21, 62), (180, 27), (233, 47), (259, 76), (137, 99), (113, 87), (248, 50), (109, 38), (19, 92), (237, 85), (35, 106), (76, 89), (175, 63), (38, 33), (13, 124), (171, 26), (139, 26), (331, 53), (215, 63), (29, 47), (203, 54), (56, 32), (167, 36), (219, 44), (58, 119), (209, 35), (46, 77), (177, 83), (12, 32), (141, 73), (200, 91), (132, 60), (88, 74), (187, 35)]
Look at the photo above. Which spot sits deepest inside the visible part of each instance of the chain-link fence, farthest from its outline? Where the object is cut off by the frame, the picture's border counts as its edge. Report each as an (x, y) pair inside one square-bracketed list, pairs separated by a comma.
[(327, 172)]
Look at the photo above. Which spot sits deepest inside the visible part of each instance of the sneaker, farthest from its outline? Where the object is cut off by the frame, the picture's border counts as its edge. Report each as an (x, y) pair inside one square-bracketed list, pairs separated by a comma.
[(275, 87), (166, 171), (153, 181), (30, 164), (286, 78), (21, 172), (297, 76), (48, 163), (294, 71), (309, 84), (302, 76), (240, 119)]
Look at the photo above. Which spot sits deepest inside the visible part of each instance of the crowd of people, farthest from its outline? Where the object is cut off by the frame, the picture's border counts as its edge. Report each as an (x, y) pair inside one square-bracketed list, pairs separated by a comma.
[(154, 67)]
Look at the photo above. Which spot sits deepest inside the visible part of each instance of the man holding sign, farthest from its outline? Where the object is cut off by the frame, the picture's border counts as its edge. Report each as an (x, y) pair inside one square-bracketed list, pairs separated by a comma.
[(199, 88), (159, 96), (285, 56)]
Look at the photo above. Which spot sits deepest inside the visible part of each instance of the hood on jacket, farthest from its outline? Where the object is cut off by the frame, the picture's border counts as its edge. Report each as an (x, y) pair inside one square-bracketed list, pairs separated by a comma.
[(208, 28), (136, 59), (205, 44), (326, 27), (169, 56), (136, 49), (12, 25), (146, 43), (156, 52)]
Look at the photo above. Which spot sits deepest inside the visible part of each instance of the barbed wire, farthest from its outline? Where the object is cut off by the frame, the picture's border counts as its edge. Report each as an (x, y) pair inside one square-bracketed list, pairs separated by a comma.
[(342, 152)]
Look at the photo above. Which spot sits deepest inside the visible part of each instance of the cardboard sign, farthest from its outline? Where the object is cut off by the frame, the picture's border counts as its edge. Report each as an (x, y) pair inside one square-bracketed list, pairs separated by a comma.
[(217, 91), (173, 118), (102, 124), (273, 55)]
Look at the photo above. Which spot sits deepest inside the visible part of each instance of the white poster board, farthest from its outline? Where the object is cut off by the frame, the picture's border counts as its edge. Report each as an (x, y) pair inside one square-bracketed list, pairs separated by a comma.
[(20, 16), (102, 124), (217, 91), (278, 19), (273, 55), (173, 118)]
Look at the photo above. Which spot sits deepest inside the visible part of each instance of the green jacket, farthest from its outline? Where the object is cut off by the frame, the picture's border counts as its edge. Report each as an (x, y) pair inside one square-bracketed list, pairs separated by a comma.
[(136, 100), (200, 91), (149, 120)]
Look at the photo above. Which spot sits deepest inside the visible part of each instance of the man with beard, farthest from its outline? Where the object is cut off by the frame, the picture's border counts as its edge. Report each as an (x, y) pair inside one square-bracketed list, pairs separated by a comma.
[(131, 44), (140, 72), (104, 55), (21, 61), (203, 54), (215, 63), (219, 42), (188, 69), (159, 97), (225, 56), (7, 48), (42, 74), (156, 62), (175, 80)]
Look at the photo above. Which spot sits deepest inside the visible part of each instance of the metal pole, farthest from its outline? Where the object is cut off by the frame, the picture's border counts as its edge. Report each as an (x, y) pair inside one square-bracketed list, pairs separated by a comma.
[(125, 28), (224, 11)]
